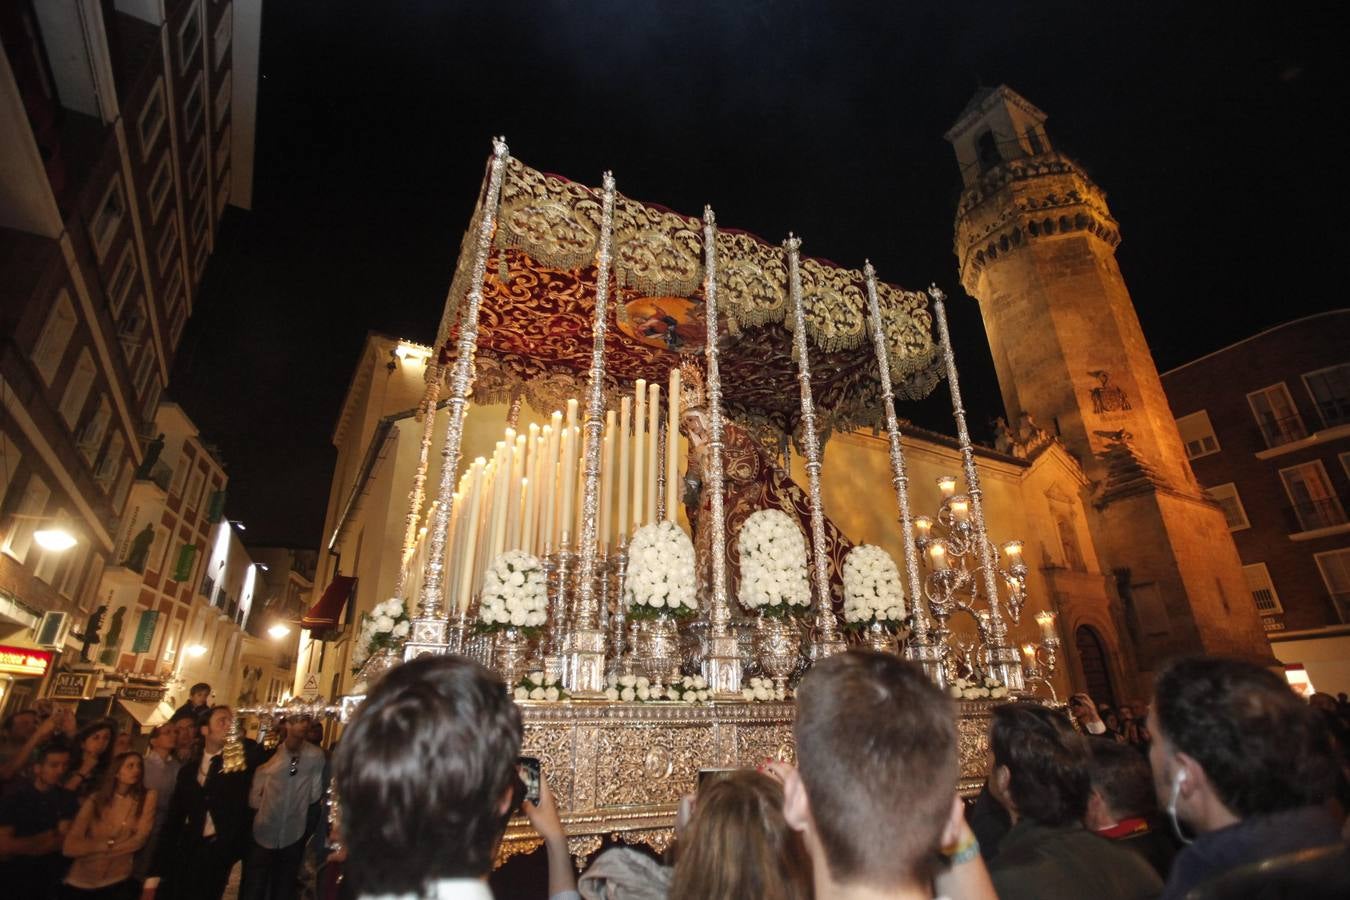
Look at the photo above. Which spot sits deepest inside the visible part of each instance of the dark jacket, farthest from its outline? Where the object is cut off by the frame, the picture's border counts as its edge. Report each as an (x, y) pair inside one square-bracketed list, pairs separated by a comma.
[(224, 795), (1151, 837), (1036, 862), (1244, 849)]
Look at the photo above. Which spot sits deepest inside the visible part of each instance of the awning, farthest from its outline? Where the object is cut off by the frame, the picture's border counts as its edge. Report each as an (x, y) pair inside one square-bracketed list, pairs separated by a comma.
[(326, 613), (147, 715)]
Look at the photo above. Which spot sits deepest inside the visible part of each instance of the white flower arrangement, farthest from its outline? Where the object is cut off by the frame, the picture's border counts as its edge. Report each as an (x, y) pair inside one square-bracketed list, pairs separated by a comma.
[(872, 591), (639, 689), (539, 686), (515, 593), (762, 690), (773, 565), (661, 577), (384, 626), (976, 688)]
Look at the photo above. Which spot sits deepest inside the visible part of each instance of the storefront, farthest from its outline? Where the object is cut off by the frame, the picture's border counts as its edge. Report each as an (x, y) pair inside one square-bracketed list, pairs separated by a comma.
[(21, 672)]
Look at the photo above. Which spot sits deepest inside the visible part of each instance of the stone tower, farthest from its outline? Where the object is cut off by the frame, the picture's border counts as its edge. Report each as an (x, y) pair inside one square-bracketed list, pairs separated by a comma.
[(1036, 245)]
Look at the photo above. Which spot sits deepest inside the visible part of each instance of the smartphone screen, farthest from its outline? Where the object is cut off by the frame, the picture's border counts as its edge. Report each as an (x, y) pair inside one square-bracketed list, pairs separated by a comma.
[(528, 767)]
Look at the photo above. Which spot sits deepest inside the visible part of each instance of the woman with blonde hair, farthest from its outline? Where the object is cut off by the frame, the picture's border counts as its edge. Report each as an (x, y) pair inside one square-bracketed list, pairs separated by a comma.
[(737, 844), (112, 824)]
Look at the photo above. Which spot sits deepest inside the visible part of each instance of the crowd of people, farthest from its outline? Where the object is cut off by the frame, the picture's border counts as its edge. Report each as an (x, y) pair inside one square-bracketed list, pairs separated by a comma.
[(1226, 785), (1231, 786), (85, 814)]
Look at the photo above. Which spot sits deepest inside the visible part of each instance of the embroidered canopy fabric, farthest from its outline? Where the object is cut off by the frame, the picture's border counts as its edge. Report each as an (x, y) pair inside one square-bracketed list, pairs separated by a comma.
[(535, 326)]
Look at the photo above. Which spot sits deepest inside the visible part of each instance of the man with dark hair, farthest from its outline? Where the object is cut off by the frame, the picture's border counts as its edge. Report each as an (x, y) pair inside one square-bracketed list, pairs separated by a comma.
[(34, 818), (160, 770), (1122, 806), (205, 831), (1247, 764), (874, 791), (427, 775), (1040, 775), (285, 790)]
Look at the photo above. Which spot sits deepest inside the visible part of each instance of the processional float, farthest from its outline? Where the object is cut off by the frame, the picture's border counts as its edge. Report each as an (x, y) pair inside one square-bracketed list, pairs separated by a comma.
[(570, 262)]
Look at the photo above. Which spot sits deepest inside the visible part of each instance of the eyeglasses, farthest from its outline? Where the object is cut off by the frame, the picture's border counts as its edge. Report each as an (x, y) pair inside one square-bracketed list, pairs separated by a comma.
[(295, 764)]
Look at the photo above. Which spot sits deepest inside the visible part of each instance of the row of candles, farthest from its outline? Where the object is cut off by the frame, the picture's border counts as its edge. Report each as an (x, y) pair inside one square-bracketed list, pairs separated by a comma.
[(527, 496), (959, 507)]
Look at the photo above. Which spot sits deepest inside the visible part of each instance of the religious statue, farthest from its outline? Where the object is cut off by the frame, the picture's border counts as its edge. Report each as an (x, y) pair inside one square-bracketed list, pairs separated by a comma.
[(140, 549), (91, 630), (152, 452), (750, 482), (1003, 436), (109, 655)]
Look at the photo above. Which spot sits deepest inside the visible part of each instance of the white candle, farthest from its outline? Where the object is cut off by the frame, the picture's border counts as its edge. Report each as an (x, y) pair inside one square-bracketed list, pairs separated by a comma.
[(653, 450), (468, 523), (530, 511), (501, 490), (451, 585), (515, 490), (672, 443), (567, 473), (572, 413), (625, 422), (548, 484), (607, 481), (639, 452)]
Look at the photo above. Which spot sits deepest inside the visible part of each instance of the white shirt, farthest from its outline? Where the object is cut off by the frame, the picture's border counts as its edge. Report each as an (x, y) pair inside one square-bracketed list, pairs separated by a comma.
[(458, 889), (283, 797)]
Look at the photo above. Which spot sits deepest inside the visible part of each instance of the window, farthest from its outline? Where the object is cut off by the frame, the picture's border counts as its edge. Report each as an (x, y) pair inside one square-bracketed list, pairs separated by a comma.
[(193, 496), (131, 329), (145, 367), (1330, 390), (223, 152), (168, 244), (1315, 502), (74, 572), (1263, 590), (27, 517), (56, 331), (77, 390), (196, 172), (192, 108), (123, 485), (179, 320), (152, 396), (199, 260), (107, 217), (123, 280), (151, 120), (160, 186), (158, 549), (222, 35), (1335, 568), (199, 222), (222, 105), (189, 39), (1198, 435), (10, 457), (48, 562), (986, 149), (1226, 495), (91, 435), (1276, 415), (180, 474), (1034, 141), (173, 292), (208, 586), (108, 464)]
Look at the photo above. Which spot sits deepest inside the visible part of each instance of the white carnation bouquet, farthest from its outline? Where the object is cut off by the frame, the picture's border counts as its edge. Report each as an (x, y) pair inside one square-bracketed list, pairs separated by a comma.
[(515, 594), (872, 591), (762, 690), (773, 565), (661, 577), (539, 686), (384, 626), (638, 688), (978, 688)]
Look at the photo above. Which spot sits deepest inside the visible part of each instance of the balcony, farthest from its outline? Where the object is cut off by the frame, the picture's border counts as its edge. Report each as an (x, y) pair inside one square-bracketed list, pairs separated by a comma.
[(1278, 432), (160, 474), (1315, 514)]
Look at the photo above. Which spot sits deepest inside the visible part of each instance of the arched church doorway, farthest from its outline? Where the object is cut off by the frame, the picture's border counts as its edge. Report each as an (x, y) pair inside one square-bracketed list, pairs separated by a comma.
[(1096, 671)]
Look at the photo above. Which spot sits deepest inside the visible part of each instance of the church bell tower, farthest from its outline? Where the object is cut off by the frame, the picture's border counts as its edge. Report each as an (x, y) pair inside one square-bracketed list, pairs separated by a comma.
[(1035, 244)]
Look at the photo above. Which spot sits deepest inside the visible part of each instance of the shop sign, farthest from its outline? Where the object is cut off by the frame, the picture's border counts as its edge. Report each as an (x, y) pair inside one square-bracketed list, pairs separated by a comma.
[(24, 662), (73, 685), (141, 694)]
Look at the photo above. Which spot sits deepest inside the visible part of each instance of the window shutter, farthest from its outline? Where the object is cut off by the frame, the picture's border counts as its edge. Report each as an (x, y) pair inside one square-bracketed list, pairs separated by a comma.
[(183, 570)]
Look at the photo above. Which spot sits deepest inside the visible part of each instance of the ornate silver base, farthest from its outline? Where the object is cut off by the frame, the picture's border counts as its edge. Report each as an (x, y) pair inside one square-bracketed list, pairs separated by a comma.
[(722, 667), (427, 636)]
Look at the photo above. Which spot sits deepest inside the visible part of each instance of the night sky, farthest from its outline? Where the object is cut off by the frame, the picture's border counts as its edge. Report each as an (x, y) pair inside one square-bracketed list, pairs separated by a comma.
[(1212, 132)]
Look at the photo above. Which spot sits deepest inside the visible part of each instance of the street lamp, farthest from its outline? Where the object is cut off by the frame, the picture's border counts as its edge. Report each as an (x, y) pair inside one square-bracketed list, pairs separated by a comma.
[(195, 650), (54, 538), (278, 631)]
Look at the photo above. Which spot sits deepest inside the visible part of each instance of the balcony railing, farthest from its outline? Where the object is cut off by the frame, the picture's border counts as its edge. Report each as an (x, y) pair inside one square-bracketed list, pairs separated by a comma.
[(1341, 600), (1334, 411), (1315, 514), (1278, 432)]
